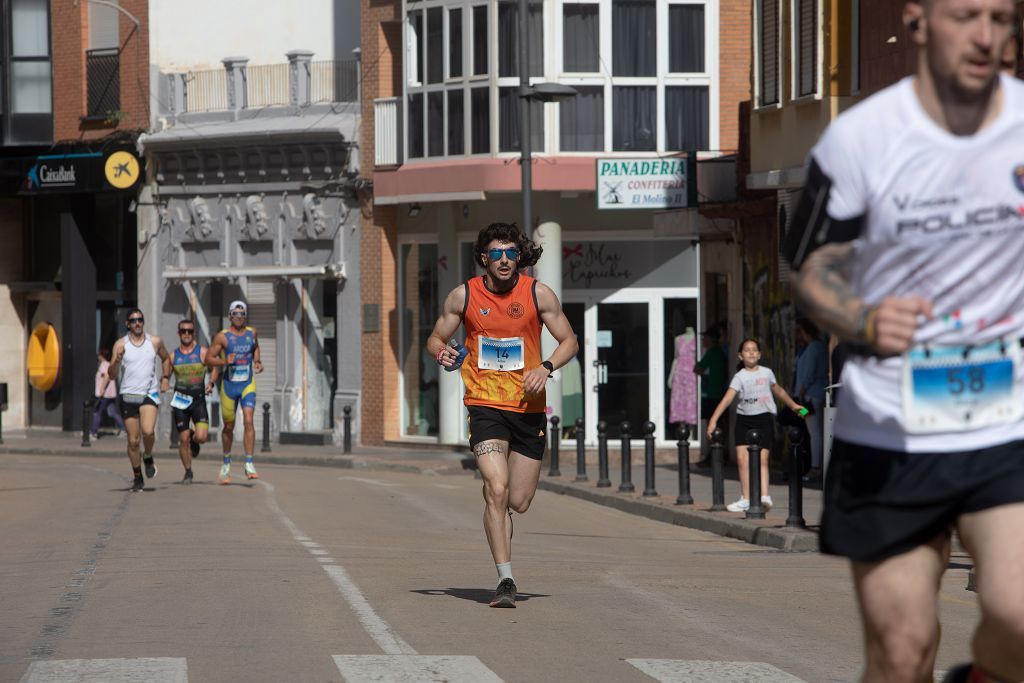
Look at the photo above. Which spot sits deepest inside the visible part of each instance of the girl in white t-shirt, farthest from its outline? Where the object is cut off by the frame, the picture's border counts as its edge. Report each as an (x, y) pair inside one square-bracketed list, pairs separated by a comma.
[(757, 390)]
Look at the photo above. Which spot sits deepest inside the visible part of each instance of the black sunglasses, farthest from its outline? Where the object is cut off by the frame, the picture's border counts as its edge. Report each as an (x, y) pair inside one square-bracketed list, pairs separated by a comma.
[(136, 320), (182, 330)]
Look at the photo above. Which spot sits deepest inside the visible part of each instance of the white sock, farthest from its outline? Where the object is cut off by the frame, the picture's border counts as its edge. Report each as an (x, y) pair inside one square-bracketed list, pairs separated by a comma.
[(504, 570)]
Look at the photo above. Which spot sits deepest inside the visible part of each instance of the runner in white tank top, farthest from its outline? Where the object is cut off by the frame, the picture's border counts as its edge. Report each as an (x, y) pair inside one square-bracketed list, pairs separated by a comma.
[(140, 390)]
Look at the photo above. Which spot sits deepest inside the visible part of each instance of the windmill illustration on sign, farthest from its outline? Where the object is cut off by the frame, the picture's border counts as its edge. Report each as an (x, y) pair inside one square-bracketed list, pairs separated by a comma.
[(612, 195)]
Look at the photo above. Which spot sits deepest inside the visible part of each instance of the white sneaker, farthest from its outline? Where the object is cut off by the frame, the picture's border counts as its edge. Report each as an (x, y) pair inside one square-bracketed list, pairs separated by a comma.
[(766, 503), (741, 505), (225, 474), (250, 471)]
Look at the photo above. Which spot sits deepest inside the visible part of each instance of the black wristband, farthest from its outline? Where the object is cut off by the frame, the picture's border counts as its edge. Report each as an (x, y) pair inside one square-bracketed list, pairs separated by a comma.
[(550, 368)]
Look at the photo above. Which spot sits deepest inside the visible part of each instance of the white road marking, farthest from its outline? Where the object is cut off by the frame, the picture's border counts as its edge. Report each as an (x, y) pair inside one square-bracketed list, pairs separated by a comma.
[(698, 671), (420, 668), (153, 670), (375, 482), (446, 486), (378, 629), (325, 559), (317, 551), (310, 544)]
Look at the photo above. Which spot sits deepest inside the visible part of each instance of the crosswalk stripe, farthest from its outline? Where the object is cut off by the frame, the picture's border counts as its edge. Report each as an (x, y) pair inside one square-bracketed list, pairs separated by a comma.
[(413, 669), (152, 670), (702, 671)]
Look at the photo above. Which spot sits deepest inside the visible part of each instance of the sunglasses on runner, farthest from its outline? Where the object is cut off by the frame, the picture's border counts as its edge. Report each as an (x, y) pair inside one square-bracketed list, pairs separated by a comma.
[(186, 330), (495, 254), (132, 321)]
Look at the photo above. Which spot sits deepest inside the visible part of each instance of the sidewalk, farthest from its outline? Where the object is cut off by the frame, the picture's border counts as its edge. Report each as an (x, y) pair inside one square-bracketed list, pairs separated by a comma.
[(771, 532)]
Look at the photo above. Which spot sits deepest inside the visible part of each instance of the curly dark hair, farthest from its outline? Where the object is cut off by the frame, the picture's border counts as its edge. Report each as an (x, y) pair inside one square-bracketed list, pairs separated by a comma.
[(529, 251)]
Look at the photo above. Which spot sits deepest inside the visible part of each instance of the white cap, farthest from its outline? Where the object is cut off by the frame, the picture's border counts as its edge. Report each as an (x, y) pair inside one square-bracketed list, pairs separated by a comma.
[(238, 305)]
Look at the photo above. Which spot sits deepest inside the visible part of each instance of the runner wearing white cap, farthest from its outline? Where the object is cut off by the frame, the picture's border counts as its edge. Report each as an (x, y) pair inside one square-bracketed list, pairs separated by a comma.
[(237, 350)]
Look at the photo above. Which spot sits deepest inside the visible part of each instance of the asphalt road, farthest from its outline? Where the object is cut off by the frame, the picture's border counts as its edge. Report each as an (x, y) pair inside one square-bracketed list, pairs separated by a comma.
[(320, 574)]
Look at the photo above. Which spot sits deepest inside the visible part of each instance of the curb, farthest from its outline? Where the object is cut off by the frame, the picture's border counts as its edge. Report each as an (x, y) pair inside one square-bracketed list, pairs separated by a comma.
[(780, 538)]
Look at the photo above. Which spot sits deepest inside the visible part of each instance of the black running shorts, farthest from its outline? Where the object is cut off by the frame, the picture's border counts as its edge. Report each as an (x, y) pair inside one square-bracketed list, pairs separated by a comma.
[(762, 422), (524, 432), (881, 503), (196, 413), (129, 405)]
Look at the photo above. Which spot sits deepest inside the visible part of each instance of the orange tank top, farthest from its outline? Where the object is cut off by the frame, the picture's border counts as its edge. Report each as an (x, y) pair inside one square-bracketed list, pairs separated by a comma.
[(503, 339)]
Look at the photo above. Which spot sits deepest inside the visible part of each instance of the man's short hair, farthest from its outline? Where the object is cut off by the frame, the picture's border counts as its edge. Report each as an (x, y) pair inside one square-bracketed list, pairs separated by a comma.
[(133, 311)]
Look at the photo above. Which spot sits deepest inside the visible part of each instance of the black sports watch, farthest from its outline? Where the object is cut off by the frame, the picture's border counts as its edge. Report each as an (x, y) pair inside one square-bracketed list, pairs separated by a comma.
[(550, 368)]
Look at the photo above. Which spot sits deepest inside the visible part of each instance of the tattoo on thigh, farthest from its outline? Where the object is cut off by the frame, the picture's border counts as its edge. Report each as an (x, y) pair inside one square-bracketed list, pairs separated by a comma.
[(485, 447)]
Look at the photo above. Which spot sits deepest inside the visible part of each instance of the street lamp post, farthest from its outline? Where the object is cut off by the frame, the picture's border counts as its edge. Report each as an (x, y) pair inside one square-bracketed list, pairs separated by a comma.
[(542, 92)]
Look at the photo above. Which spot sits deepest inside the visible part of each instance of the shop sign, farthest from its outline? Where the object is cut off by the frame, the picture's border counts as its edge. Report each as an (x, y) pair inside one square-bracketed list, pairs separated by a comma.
[(617, 264), (82, 172), (646, 183)]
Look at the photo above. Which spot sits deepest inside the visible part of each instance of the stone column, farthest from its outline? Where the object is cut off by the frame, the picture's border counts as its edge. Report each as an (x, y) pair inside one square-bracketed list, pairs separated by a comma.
[(238, 97), (300, 77), (549, 271), (449, 383)]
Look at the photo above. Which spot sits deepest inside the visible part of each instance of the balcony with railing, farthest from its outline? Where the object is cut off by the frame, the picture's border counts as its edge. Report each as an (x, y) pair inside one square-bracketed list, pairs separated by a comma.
[(103, 83), (298, 82)]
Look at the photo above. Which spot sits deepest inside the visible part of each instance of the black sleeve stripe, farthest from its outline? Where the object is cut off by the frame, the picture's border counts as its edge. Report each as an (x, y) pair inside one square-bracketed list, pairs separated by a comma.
[(465, 304), (533, 290), (811, 226)]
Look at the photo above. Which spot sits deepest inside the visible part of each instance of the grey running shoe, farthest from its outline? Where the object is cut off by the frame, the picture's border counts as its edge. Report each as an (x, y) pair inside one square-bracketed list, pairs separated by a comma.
[(137, 484), (150, 468), (188, 477), (505, 595)]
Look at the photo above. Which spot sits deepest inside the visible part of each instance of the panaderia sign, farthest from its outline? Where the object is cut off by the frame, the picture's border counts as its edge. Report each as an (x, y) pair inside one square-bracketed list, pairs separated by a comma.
[(646, 183)]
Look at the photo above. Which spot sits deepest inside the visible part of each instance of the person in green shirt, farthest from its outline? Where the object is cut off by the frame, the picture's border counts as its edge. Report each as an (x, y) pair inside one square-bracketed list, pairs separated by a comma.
[(713, 368)]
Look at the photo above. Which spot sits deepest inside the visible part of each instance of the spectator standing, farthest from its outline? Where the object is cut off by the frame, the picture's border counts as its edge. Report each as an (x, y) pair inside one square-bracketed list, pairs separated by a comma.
[(811, 380), (106, 395)]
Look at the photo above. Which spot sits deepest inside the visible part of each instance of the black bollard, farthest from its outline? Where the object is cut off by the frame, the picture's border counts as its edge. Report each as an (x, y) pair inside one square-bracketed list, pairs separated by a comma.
[(346, 438), (756, 510), (717, 472), (649, 490), (602, 455), (3, 407), (796, 481), (627, 460), (581, 453), (266, 429), (86, 423), (684, 497), (556, 436)]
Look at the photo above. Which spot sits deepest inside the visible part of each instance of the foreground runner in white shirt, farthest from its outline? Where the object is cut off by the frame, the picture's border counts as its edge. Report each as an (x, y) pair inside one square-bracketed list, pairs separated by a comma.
[(909, 240), (140, 388)]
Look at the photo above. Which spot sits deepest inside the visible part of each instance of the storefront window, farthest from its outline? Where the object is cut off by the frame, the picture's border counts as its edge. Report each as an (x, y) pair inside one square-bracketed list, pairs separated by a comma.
[(418, 282)]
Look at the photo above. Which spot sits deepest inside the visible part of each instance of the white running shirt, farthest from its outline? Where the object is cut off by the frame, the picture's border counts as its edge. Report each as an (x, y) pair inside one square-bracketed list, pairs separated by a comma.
[(139, 375), (754, 390), (943, 218)]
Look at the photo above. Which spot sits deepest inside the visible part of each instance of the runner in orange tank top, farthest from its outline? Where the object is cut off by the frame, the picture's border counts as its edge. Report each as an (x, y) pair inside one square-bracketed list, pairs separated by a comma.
[(503, 312)]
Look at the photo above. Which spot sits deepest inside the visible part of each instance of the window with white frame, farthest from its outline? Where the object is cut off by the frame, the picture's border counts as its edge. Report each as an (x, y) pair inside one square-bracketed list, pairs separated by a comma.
[(766, 38), (643, 70), (805, 48)]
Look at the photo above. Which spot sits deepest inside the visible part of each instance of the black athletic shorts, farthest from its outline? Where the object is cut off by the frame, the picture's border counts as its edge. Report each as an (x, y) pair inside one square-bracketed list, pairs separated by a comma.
[(881, 503), (130, 408), (762, 422), (525, 432), (195, 413)]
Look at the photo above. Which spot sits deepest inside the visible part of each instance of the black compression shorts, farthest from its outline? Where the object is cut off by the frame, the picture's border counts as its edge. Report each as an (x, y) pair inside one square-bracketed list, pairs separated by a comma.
[(881, 503), (196, 413), (524, 432), (129, 404)]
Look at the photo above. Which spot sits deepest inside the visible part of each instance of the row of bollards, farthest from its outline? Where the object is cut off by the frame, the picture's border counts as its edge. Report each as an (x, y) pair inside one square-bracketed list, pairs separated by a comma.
[(756, 509)]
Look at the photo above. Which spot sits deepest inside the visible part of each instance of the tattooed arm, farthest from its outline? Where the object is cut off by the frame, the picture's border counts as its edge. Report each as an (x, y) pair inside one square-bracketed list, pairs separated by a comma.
[(823, 292)]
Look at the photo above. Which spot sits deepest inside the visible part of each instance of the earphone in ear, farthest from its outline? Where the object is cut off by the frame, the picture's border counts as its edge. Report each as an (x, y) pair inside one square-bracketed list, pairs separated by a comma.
[(914, 25)]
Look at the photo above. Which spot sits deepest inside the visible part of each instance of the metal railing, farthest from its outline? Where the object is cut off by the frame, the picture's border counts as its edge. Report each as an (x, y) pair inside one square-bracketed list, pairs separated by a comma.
[(387, 131), (335, 81), (267, 85), (206, 90), (103, 82)]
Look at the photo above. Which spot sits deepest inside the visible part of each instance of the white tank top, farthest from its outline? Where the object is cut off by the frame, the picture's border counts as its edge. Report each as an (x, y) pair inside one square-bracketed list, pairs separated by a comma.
[(138, 375)]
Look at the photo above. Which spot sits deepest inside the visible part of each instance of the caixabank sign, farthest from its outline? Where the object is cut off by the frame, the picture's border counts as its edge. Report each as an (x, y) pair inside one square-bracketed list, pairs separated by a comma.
[(104, 171)]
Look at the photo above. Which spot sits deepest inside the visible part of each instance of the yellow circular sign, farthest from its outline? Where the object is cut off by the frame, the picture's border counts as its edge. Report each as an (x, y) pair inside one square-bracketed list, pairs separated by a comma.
[(43, 357), (122, 170)]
